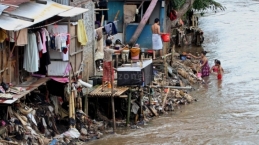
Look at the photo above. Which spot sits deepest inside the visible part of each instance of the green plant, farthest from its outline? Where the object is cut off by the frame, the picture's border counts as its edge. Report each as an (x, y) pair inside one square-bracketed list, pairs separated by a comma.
[(207, 4), (198, 4)]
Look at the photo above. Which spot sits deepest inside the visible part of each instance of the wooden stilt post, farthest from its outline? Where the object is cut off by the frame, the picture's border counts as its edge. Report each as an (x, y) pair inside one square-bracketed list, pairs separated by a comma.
[(140, 102), (112, 99), (172, 59), (86, 102), (117, 59), (165, 67), (149, 94), (129, 104)]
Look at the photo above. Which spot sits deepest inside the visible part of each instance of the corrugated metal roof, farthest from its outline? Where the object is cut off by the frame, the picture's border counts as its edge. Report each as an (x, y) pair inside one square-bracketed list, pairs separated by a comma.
[(73, 12), (2, 8), (38, 12), (63, 2)]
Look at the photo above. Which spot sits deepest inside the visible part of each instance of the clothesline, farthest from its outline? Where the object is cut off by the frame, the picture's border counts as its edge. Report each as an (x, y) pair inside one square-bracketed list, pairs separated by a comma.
[(47, 24), (103, 26)]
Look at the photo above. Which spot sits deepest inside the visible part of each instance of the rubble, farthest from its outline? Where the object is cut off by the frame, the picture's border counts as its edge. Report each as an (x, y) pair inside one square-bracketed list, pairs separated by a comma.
[(159, 98), (35, 121)]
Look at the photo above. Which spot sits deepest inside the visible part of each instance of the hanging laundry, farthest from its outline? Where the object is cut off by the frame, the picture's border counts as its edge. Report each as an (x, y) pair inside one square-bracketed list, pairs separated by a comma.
[(39, 42), (99, 50), (81, 32), (113, 27), (46, 33), (99, 34), (52, 42), (3, 35), (58, 43), (44, 49), (31, 55), (108, 29), (22, 38), (44, 60), (65, 49)]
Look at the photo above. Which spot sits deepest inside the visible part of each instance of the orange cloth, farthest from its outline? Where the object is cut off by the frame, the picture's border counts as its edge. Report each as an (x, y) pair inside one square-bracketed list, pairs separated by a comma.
[(134, 51)]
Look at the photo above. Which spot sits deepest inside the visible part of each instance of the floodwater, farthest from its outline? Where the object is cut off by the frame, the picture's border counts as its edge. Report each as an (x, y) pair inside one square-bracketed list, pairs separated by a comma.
[(227, 111)]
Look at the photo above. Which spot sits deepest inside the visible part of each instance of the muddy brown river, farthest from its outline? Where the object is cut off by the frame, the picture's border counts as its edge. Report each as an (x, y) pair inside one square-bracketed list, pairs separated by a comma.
[(227, 112)]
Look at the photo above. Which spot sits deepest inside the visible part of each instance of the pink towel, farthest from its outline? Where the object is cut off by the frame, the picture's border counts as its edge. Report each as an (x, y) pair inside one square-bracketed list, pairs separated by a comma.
[(61, 80)]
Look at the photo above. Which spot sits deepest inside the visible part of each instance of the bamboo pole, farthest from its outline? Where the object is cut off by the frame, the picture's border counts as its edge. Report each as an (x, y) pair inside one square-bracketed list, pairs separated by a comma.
[(128, 111), (149, 94), (70, 106), (116, 16), (86, 102), (172, 87), (102, 20), (140, 102), (164, 56), (165, 67), (73, 104), (117, 59), (172, 59)]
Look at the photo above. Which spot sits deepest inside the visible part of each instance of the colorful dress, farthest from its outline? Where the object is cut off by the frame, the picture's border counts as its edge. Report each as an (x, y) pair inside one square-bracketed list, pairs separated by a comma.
[(205, 70)]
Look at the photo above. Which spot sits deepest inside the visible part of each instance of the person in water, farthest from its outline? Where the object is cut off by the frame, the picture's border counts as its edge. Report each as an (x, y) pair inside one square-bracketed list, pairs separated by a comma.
[(205, 68), (214, 68), (219, 70)]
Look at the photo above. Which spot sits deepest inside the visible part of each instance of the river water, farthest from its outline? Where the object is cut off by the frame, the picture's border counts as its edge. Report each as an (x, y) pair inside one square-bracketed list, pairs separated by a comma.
[(227, 111)]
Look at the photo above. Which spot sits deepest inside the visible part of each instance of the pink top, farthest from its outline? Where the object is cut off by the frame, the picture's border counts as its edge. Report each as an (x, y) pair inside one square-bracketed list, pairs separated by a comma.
[(215, 69)]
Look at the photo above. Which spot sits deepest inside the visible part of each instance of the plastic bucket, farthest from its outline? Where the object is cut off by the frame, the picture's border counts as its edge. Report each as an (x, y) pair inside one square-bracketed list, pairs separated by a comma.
[(165, 37), (199, 75), (134, 52)]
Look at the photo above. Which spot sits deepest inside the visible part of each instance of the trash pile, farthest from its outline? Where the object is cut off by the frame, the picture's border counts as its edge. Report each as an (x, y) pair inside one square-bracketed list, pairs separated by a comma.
[(36, 121), (159, 98), (42, 119)]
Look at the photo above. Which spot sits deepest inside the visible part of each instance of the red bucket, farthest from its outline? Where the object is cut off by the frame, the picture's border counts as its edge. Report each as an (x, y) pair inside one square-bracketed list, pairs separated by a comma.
[(165, 37)]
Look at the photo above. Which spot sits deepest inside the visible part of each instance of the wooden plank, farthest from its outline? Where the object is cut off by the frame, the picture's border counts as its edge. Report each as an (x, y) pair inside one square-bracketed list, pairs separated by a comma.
[(30, 86), (153, 111), (143, 22), (73, 32), (79, 59), (98, 93), (76, 52)]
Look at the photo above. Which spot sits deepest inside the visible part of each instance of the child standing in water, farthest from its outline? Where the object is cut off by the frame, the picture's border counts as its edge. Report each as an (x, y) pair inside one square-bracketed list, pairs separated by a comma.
[(220, 70), (214, 69)]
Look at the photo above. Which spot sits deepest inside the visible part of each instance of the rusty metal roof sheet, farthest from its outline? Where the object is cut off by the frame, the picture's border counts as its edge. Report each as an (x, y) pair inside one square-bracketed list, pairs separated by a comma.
[(37, 12), (12, 2)]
